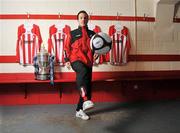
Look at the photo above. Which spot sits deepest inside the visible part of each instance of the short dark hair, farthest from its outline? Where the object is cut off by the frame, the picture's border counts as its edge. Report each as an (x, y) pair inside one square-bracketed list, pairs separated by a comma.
[(82, 11)]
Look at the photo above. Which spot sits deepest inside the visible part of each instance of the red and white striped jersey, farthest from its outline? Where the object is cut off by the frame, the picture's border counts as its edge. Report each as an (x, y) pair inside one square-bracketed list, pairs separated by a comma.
[(94, 28), (102, 58), (118, 54), (56, 41), (28, 43)]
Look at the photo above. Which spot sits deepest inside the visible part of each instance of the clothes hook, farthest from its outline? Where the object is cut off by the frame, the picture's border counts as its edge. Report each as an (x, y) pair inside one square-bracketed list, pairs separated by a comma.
[(90, 15), (118, 14), (28, 15), (59, 15), (145, 15)]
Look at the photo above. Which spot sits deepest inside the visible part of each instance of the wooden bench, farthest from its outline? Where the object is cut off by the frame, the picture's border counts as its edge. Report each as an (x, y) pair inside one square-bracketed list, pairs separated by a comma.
[(69, 77), (19, 78)]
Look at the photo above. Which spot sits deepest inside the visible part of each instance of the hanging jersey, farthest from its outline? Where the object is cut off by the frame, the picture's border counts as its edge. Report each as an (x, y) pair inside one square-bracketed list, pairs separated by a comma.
[(28, 43), (94, 28), (118, 54), (56, 42), (102, 58)]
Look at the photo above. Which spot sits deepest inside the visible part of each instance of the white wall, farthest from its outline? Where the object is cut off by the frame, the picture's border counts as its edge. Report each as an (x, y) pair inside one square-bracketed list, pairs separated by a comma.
[(166, 35), (149, 41)]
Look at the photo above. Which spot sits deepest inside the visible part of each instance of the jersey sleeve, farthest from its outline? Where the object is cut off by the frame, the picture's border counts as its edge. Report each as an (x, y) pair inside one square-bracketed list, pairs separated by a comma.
[(17, 44), (67, 47)]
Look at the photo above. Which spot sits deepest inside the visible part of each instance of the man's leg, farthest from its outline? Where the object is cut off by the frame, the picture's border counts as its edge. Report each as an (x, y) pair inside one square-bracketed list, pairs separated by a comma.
[(83, 80)]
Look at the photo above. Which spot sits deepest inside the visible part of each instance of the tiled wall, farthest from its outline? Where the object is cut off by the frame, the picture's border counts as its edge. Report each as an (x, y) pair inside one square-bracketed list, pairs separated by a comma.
[(160, 37)]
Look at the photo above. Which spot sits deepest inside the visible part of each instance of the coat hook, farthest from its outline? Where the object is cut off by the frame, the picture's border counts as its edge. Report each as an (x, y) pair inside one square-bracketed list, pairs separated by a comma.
[(28, 15), (144, 18), (118, 14), (59, 15), (90, 15)]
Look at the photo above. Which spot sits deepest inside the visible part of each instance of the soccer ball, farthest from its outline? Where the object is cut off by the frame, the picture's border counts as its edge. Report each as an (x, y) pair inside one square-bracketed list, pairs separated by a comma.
[(101, 43)]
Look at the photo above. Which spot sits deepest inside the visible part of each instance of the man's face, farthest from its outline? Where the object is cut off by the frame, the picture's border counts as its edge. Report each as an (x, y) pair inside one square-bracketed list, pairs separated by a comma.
[(82, 19)]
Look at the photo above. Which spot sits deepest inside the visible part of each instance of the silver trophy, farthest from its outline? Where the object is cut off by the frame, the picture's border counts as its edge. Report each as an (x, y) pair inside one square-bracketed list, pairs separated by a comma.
[(43, 63)]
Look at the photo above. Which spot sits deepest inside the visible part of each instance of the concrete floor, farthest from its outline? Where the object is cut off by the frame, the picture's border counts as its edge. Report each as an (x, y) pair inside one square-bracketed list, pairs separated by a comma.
[(139, 117)]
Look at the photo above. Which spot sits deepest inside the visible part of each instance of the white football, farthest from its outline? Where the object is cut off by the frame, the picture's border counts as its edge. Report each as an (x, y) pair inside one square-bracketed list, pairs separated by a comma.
[(101, 43)]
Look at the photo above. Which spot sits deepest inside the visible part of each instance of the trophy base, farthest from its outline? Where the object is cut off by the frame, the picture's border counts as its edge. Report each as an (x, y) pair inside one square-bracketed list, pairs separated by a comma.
[(42, 77)]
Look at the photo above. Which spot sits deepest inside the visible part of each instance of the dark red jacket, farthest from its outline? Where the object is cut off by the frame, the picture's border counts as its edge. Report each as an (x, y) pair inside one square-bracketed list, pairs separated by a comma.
[(77, 46)]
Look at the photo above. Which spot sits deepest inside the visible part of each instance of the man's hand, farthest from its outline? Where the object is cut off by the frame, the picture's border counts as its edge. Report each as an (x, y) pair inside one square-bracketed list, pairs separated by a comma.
[(95, 56), (68, 65)]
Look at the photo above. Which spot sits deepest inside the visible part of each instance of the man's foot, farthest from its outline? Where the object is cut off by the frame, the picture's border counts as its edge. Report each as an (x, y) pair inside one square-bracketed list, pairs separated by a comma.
[(82, 115), (88, 105)]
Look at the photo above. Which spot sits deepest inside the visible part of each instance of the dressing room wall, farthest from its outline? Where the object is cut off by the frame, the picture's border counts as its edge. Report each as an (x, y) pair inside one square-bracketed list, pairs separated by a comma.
[(159, 37)]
